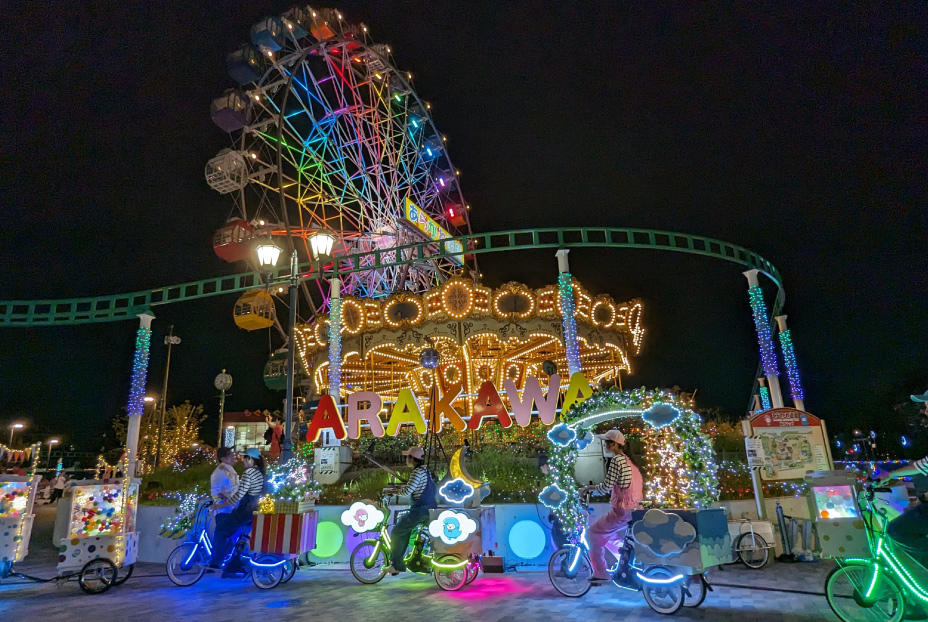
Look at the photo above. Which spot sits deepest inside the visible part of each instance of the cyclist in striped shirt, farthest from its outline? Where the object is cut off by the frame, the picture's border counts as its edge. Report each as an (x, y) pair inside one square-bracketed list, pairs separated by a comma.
[(250, 488), (910, 531), (421, 487)]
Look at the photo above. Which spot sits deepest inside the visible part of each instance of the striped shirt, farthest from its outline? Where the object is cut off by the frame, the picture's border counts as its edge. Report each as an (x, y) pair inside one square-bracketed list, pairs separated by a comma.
[(922, 465), (619, 472), (416, 484), (252, 483)]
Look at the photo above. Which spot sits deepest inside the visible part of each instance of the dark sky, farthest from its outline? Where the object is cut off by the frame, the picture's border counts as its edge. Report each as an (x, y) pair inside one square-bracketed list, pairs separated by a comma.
[(797, 130)]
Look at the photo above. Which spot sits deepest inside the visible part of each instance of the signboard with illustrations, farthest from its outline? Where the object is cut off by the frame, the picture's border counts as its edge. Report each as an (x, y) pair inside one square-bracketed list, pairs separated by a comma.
[(786, 443)]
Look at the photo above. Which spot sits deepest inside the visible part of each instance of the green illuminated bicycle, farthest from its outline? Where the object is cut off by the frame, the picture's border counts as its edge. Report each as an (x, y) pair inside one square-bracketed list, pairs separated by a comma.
[(881, 587), (369, 560)]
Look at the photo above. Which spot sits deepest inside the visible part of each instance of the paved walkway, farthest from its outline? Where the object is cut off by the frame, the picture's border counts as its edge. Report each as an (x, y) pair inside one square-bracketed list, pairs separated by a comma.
[(780, 592)]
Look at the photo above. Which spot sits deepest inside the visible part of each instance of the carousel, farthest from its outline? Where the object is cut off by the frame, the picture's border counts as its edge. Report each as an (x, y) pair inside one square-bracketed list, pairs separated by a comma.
[(479, 334)]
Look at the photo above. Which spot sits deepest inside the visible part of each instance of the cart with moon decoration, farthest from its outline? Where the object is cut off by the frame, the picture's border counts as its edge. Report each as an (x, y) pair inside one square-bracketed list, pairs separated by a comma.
[(101, 544), (461, 526)]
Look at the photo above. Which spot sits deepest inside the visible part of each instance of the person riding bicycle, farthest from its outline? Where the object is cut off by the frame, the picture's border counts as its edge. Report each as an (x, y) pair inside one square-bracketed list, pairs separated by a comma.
[(223, 482), (623, 481), (910, 531), (421, 487), (251, 487)]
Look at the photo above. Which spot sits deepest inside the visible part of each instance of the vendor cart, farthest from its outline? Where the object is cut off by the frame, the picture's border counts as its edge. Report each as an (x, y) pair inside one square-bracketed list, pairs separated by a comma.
[(17, 498), (101, 544)]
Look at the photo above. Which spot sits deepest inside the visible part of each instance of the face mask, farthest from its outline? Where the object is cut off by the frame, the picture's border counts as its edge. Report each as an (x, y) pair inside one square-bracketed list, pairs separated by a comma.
[(608, 454)]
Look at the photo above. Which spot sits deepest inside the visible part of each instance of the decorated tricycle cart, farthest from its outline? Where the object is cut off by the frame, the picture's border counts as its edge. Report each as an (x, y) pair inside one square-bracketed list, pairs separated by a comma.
[(17, 497), (101, 544)]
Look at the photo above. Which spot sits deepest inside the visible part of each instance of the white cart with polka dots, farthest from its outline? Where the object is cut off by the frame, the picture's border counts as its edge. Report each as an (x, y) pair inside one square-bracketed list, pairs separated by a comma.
[(17, 497), (101, 544)]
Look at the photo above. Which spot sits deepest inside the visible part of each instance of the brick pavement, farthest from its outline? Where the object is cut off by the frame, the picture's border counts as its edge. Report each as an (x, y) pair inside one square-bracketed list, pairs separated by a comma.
[(335, 596)]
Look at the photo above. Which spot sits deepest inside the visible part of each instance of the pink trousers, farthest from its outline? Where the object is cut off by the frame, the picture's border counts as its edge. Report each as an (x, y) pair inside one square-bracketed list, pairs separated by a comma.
[(604, 530)]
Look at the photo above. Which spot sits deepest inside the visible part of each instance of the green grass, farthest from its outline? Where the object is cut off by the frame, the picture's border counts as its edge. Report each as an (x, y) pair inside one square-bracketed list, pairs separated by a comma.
[(169, 482)]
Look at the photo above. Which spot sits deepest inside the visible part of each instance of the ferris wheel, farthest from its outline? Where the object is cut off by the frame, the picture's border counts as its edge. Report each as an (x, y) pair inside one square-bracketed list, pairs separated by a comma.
[(328, 134)]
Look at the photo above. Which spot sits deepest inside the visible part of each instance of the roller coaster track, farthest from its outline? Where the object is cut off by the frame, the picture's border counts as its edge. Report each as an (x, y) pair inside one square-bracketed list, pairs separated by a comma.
[(70, 311)]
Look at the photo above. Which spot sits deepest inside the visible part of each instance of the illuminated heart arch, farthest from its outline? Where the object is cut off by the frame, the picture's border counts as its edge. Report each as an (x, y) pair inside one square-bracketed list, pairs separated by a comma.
[(679, 469)]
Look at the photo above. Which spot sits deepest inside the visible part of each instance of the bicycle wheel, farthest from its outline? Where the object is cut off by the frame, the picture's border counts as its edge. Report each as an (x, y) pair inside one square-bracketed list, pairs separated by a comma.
[(569, 570), (847, 590), (696, 586), (368, 562), (473, 569), (97, 576), (267, 571), (662, 590), (186, 564), (123, 574), (752, 550), (450, 572), (290, 569)]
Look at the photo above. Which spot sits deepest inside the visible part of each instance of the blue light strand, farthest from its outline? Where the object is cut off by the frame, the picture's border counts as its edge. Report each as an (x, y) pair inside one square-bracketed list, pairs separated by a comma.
[(139, 372), (335, 346), (565, 291), (765, 402), (768, 355), (792, 369)]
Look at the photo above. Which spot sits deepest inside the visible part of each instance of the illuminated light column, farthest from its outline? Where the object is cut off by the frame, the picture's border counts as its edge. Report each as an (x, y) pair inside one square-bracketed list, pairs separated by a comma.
[(768, 354), (764, 394), (565, 291), (335, 350), (789, 359), (137, 388)]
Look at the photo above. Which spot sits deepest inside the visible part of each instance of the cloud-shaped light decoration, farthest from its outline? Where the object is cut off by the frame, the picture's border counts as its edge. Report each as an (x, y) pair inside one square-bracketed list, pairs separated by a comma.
[(562, 435), (456, 491), (584, 440), (552, 496), (659, 415), (663, 533), (362, 517), (452, 527)]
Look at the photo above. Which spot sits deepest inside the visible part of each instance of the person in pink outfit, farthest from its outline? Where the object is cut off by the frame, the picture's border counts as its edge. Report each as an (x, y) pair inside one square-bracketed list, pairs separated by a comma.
[(623, 482)]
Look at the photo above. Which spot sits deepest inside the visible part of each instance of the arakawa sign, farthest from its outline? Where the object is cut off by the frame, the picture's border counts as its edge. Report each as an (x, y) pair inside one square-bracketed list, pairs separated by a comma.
[(366, 406)]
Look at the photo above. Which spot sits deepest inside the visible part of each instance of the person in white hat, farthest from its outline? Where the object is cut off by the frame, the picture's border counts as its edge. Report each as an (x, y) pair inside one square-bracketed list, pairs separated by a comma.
[(623, 482), (421, 487), (910, 531)]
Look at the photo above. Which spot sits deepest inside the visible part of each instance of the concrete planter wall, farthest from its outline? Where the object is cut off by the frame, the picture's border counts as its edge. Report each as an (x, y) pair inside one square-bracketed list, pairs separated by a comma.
[(522, 530)]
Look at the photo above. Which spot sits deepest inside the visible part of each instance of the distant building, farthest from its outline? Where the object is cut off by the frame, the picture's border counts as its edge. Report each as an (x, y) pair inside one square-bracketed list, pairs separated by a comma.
[(249, 427)]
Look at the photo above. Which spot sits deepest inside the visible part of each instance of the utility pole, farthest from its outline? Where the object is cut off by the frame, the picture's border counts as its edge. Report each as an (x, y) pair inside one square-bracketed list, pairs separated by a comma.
[(169, 341)]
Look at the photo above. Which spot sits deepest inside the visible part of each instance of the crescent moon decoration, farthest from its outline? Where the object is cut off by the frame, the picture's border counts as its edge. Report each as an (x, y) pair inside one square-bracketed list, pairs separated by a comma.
[(459, 471)]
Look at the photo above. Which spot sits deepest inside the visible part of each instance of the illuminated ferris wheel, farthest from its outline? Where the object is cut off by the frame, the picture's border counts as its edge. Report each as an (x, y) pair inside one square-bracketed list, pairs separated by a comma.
[(328, 134)]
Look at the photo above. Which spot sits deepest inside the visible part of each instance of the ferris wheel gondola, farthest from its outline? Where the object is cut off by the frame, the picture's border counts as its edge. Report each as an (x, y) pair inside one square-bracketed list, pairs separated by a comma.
[(328, 134)]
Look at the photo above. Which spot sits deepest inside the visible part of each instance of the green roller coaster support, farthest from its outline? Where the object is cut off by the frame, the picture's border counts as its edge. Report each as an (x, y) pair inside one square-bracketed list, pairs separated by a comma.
[(64, 312)]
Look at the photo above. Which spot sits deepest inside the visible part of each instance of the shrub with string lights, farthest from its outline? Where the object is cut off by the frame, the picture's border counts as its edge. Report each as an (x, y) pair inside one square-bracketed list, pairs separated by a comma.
[(680, 470)]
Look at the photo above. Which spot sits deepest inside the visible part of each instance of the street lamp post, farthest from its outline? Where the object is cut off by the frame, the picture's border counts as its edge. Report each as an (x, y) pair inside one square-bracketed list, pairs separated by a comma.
[(223, 382), (169, 341), (13, 428), (321, 244), (48, 458)]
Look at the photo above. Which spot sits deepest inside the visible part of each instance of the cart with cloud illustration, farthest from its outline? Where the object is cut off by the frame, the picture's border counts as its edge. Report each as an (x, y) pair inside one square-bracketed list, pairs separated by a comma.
[(679, 546)]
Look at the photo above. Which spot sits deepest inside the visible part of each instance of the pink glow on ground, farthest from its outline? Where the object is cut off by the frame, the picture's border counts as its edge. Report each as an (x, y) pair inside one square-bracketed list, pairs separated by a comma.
[(484, 588)]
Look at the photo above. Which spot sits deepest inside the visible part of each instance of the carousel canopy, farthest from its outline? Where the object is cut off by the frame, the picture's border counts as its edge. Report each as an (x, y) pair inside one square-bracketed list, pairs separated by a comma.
[(480, 333)]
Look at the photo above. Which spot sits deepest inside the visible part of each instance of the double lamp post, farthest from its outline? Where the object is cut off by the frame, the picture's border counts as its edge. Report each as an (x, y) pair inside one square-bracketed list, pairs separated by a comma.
[(321, 244)]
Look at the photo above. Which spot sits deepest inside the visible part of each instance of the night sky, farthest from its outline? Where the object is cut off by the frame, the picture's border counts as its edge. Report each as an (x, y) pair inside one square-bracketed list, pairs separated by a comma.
[(797, 130)]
